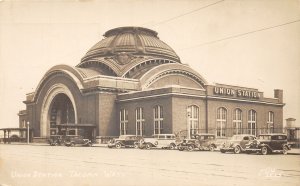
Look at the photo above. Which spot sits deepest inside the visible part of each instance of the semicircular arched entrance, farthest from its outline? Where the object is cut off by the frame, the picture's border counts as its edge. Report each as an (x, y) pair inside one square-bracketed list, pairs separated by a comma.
[(58, 108)]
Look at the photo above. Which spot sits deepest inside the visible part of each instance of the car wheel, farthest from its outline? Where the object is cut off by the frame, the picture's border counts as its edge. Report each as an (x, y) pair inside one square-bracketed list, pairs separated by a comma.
[(264, 150), (118, 145), (136, 145), (237, 150), (211, 148), (72, 145), (190, 148), (148, 146), (180, 148), (172, 146), (285, 150), (222, 151)]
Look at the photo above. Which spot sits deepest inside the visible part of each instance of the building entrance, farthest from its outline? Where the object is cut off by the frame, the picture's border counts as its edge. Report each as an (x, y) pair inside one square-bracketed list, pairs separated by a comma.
[(61, 111)]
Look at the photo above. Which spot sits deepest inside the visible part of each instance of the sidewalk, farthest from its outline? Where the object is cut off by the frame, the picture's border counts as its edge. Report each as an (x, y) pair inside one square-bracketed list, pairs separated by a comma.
[(294, 151)]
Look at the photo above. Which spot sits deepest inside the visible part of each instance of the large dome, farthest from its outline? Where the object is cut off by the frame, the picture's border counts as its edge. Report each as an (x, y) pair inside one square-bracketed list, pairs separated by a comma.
[(135, 41)]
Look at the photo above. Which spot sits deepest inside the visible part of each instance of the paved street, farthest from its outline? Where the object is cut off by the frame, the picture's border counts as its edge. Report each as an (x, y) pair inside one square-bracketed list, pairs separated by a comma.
[(47, 165)]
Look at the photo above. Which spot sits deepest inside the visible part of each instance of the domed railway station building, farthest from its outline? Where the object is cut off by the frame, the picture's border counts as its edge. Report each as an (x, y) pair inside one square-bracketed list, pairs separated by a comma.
[(131, 82)]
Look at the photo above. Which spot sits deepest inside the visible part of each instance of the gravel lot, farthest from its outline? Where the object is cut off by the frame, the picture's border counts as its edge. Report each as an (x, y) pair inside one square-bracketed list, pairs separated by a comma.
[(47, 165)]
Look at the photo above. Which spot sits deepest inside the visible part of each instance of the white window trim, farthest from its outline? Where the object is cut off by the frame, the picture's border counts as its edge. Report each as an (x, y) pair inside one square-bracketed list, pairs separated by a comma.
[(252, 113), (158, 119), (194, 121), (238, 123), (139, 121), (221, 120), (270, 122), (123, 121)]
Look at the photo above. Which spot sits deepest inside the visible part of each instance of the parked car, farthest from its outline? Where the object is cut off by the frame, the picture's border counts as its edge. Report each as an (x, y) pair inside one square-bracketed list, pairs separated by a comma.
[(77, 140), (55, 140), (237, 143), (199, 142), (14, 138), (165, 141), (269, 143), (125, 141)]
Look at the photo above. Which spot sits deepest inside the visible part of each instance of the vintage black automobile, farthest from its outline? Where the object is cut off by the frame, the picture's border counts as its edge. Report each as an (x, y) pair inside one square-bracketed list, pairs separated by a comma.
[(125, 141), (237, 143), (269, 143), (199, 142), (55, 140), (71, 141)]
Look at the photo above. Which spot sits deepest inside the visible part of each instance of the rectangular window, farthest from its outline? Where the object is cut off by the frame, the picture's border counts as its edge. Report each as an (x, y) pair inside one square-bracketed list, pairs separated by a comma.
[(221, 122), (270, 122), (252, 122), (237, 122), (158, 119), (140, 122), (123, 121), (193, 118)]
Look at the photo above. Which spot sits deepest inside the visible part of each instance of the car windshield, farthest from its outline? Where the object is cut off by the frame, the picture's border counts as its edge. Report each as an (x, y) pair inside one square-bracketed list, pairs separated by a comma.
[(124, 137), (170, 137), (210, 137), (131, 137), (279, 137), (264, 137), (161, 137), (236, 137)]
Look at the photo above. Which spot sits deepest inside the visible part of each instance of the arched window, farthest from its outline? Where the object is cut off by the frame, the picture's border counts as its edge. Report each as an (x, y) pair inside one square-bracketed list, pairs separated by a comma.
[(270, 122), (237, 122), (140, 121), (193, 116), (158, 119), (252, 122), (123, 121), (221, 121)]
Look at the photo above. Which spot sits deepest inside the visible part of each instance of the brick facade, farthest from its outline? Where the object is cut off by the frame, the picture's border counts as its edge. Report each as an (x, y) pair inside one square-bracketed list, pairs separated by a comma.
[(113, 76)]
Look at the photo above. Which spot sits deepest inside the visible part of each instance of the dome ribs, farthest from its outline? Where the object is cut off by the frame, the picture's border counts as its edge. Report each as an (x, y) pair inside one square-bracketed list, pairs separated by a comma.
[(133, 41)]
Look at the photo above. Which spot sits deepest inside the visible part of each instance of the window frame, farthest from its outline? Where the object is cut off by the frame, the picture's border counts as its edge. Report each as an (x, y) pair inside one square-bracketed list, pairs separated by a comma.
[(158, 119), (270, 122), (123, 121), (139, 121), (252, 121), (237, 121), (221, 122), (193, 119)]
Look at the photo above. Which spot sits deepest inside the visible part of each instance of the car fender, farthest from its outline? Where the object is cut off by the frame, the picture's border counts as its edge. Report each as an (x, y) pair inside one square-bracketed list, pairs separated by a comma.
[(288, 147), (265, 145), (238, 145), (122, 144), (212, 144)]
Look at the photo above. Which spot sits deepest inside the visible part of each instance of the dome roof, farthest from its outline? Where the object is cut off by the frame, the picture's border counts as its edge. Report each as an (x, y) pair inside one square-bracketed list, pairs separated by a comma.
[(136, 41)]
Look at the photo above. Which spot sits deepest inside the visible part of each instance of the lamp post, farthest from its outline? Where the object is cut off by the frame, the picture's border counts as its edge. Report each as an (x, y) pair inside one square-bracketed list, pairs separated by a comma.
[(188, 122), (28, 132)]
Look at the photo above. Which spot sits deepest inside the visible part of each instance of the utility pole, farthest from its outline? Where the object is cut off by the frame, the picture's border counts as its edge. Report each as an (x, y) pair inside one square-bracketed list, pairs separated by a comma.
[(28, 132)]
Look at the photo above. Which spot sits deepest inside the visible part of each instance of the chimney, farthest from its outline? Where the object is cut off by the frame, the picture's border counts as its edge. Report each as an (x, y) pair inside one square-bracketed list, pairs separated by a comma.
[(278, 94)]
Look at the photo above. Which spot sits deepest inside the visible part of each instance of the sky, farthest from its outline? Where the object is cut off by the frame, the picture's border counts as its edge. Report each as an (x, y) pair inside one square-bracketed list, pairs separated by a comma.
[(249, 43)]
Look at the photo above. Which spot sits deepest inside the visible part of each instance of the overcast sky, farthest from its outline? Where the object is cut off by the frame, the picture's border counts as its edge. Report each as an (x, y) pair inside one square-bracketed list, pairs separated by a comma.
[(250, 43)]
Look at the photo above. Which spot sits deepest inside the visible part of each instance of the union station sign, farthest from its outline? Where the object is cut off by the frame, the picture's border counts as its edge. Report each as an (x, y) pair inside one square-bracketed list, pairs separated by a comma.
[(237, 92)]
